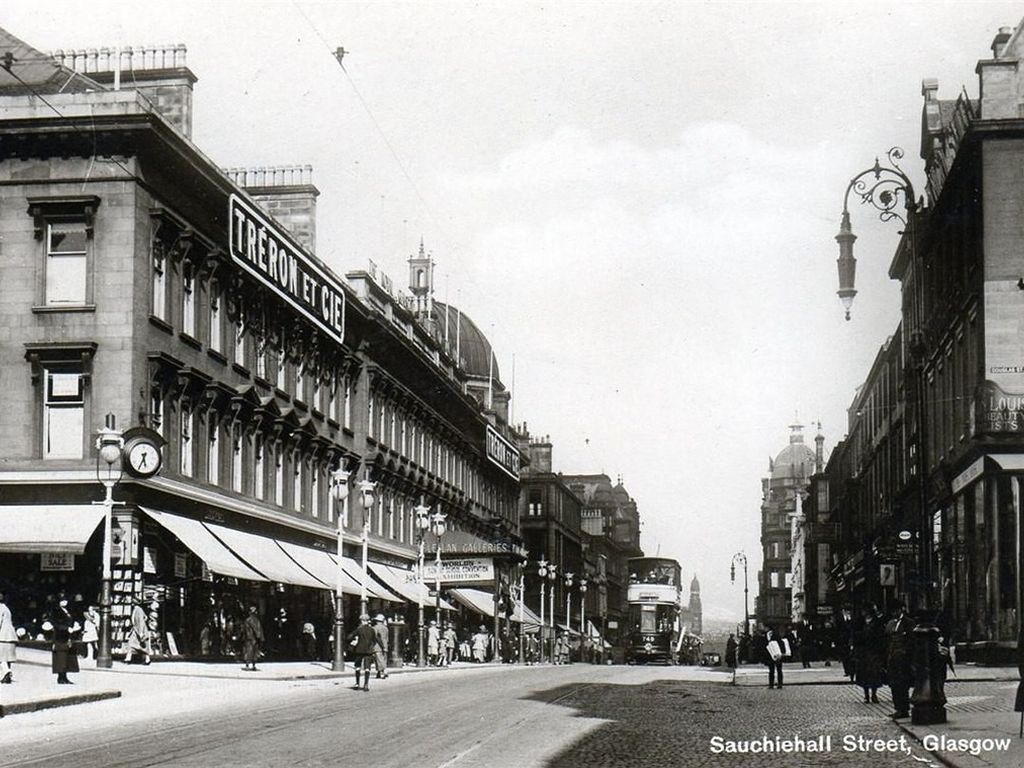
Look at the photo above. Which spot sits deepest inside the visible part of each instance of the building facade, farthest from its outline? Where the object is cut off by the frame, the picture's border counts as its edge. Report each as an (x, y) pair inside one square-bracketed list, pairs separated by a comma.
[(143, 281)]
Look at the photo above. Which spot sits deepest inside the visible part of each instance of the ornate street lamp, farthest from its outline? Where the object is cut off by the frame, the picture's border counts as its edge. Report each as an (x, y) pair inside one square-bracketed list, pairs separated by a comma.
[(339, 491), (742, 558), (109, 470), (884, 187), (552, 577), (568, 597), (438, 528), (422, 526), (542, 572), (583, 606), (366, 499)]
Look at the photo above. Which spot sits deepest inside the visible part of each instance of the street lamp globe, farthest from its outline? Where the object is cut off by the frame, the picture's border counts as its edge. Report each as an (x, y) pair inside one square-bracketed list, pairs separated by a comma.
[(366, 489), (583, 586), (339, 485), (422, 517), (439, 526), (542, 568), (568, 578)]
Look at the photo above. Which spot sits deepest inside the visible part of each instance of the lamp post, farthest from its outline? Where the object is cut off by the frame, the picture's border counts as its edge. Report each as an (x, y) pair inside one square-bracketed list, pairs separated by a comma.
[(438, 528), (552, 577), (884, 187), (583, 607), (521, 600), (366, 498), (568, 597), (339, 490), (422, 524), (740, 557), (542, 572), (108, 449)]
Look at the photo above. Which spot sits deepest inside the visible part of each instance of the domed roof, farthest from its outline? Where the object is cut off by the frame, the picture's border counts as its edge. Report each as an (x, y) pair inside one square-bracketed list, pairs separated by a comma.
[(796, 460), (473, 346)]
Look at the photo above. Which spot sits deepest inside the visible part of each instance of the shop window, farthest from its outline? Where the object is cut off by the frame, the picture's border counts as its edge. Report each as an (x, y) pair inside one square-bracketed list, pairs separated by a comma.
[(259, 473), (279, 476), (213, 450), (64, 414), (314, 491), (299, 380), (281, 381), (67, 261), (236, 460), (347, 405), (216, 339), (239, 345), (188, 301)]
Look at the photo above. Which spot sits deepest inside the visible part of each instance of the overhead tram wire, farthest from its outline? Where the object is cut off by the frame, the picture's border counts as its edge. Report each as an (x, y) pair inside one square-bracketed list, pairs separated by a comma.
[(337, 54)]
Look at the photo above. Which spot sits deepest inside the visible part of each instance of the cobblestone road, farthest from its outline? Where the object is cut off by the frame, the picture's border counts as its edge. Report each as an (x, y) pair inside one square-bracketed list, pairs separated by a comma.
[(671, 723)]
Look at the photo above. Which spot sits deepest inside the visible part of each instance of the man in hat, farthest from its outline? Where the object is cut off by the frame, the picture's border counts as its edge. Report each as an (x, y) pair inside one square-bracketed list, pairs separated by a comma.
[(380, 654), (363, 641), (8, 641), (138, 637), (433, 643), (252, 639)]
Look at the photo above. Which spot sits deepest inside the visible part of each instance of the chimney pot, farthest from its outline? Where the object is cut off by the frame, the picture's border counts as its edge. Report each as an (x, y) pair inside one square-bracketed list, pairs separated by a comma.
[(1000, 40), (929, 88)]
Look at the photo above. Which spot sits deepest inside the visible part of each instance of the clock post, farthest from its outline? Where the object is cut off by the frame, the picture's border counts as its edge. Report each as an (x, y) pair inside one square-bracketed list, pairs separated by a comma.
[(109, 445)]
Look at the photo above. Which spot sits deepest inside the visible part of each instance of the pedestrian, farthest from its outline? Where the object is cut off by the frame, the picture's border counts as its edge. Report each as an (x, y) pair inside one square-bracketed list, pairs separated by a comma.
[(451, 642), (283, 635), (777, 648), (363, 640), (8, 641), (252, 639), (90, 631), (480, 642), (65, 632), (433, 643), (138, 635), (743, 652), (898, 632), (730, 651), (380, 654), (307, 641), (869, 654)]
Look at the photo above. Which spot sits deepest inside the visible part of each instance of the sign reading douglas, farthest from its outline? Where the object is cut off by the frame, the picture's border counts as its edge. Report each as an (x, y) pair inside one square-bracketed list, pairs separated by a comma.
[(261, 248)]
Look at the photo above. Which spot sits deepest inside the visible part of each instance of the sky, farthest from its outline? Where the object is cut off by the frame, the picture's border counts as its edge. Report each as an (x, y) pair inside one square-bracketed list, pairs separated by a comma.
[(635, 201)]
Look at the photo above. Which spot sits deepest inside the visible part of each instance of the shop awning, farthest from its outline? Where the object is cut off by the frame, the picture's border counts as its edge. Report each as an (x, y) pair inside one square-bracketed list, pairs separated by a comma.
[(529, 617), (194, 535), (48, 527), (359, 576), (321, 565), (475, 599), (570, 630), (398, 581), (264, 554)]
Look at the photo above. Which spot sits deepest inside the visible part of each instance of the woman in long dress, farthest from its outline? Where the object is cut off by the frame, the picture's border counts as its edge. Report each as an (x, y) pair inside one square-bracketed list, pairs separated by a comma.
[(252, 639)]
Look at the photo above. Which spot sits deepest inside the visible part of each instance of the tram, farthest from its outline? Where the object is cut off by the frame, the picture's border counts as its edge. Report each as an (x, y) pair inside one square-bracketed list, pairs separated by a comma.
[(654, 600)]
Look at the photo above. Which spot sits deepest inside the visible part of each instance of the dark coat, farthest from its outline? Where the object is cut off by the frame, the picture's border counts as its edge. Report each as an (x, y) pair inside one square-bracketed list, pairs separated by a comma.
[(366, 640), (900, 633), (64, 658), (869, 654), (252, 638)]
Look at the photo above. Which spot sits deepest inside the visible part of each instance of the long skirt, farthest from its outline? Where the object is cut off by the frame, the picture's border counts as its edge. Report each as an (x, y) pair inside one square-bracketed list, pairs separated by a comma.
[(8, 652), (64, 659), (250, 650)]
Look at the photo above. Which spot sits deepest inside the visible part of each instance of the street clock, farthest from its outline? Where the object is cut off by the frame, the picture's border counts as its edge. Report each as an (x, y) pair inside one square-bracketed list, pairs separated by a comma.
[(142, 455)]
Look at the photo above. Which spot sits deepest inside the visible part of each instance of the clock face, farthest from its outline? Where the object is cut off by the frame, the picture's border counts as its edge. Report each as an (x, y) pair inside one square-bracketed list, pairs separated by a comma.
[(144, 458)]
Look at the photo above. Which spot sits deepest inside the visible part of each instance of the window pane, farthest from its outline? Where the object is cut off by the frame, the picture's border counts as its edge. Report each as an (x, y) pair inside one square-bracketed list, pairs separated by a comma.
[(63, 432), (67, 238), (65, 279)]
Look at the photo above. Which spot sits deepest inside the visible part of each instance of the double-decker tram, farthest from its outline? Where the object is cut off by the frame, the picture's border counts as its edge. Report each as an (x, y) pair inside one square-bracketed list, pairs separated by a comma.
[(653, 596)]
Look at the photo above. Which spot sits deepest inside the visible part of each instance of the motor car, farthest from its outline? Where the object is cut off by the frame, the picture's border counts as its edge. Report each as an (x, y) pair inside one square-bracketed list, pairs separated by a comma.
[(711, 660)]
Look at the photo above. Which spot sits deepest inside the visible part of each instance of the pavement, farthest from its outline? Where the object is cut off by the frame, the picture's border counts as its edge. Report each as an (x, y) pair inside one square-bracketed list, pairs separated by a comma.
[(982, 730), (35, 687)]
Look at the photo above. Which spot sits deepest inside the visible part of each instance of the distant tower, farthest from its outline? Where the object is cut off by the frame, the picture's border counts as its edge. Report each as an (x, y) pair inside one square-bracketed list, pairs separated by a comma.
[(696, 611), (421, 282)]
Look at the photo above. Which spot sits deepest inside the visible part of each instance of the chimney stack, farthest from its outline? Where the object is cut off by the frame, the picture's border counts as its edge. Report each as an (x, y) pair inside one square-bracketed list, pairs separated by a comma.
[(159, 72), (1000, 40), (287, 193)]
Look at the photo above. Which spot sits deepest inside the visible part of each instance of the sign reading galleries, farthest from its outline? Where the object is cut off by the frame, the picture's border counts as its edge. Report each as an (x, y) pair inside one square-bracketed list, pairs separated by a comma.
[(262, 249)]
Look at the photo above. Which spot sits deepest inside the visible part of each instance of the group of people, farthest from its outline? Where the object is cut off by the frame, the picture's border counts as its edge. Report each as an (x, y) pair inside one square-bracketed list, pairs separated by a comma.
[(875, 652)]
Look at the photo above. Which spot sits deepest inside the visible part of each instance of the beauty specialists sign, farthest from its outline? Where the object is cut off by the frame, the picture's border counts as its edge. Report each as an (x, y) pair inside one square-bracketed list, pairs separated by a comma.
[(261, 248)]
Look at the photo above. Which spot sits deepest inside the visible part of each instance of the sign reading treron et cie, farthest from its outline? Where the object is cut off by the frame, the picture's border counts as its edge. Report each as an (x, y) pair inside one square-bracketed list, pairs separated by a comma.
[(502, 452), (262, 249)]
